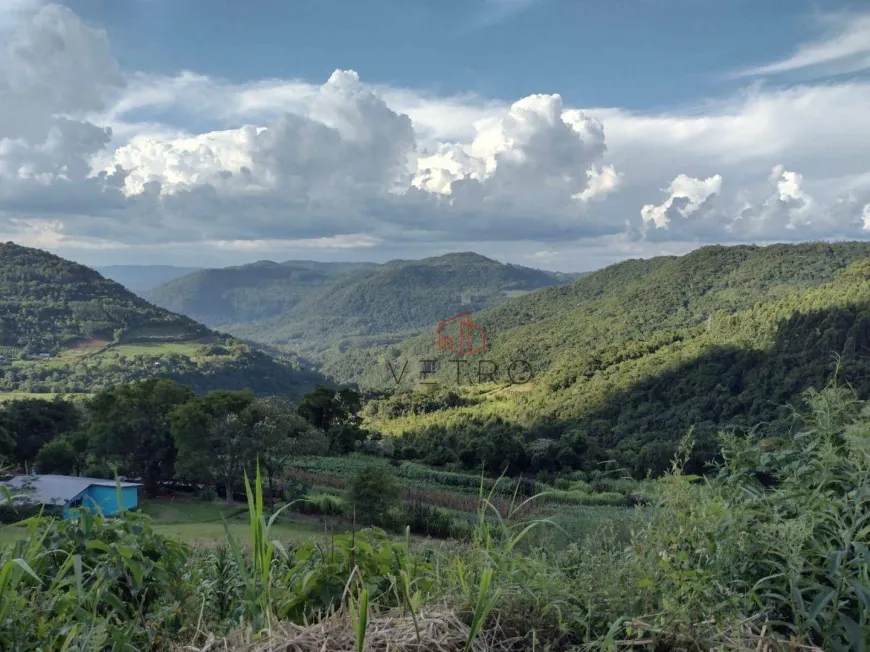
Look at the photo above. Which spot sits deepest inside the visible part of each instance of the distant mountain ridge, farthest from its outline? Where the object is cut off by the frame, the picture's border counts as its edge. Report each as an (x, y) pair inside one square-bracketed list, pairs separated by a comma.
[(141, 278), (311, 305), (246, 293)]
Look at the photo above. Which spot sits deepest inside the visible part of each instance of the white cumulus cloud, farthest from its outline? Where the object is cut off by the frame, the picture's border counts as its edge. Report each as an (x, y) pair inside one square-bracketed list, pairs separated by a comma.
[(90, 160), (686, 196)]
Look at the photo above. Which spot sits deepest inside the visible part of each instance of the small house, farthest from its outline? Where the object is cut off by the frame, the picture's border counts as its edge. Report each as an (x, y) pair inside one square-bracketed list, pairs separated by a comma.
[(67, 493)]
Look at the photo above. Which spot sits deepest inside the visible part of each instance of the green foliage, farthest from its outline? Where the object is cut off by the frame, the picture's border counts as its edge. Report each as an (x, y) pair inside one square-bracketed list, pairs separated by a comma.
[(107, 584), (66, 329), (47, 302), (129, 426), (221, 434), (29, 424), (323, 504), (57, 456), (336, 413), (774, 542), (213, 445), (430, 521), (371, 494), (630, 358)]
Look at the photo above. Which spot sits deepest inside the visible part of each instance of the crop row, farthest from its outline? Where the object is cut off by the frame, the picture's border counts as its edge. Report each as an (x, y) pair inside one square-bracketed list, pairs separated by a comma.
[(410, 493)]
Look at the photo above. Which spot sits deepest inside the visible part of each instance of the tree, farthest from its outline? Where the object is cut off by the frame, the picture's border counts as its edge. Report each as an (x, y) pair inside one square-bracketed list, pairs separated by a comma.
[(335, 412), (372, 493), (279, 433), (129, 425), (231, 450), (213, 438), (57, 456), (31, 423)]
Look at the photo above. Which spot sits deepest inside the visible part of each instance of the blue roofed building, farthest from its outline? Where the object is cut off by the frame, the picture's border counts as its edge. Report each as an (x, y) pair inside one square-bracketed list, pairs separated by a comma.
[(65, 494)]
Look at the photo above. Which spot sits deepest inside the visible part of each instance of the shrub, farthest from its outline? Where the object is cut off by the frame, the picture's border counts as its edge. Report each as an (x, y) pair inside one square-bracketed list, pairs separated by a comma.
[(372, 493), (430, 521), (321, 504), (16, 513), (207, 493)]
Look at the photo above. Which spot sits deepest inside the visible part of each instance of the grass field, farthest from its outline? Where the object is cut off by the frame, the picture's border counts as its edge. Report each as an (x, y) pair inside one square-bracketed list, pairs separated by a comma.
[(202, 524), (157, 349)]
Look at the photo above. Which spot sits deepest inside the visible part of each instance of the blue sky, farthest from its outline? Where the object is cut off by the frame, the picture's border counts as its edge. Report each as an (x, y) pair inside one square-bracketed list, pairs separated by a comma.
[(635, 54), (565, 134)]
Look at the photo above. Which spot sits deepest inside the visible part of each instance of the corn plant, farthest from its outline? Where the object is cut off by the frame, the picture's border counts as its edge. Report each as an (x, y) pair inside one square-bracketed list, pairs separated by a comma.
[(257, 574)]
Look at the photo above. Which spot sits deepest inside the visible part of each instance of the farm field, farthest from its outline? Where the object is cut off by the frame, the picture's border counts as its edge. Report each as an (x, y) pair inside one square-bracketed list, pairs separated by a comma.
[(158, 349), (202, 524)]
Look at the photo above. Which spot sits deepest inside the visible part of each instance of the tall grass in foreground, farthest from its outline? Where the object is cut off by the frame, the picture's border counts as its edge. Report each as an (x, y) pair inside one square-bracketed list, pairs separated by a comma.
[(257, 567)]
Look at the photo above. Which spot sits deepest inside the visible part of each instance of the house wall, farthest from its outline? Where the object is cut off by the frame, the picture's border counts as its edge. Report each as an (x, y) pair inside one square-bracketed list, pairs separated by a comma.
[(106, 499)]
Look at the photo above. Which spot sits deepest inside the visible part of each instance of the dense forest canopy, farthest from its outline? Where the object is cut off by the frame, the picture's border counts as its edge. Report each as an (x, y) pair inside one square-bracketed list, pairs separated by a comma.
[(620, 363), (627, 359), (48, 302)]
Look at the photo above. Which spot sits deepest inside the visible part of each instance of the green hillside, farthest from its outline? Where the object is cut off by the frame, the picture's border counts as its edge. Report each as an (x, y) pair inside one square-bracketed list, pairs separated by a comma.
[(395, 298), (627, 359), (247, 293), (66, 329)]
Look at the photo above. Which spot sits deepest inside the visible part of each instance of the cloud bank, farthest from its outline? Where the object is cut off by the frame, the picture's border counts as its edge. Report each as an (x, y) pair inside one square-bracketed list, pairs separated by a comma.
[(345, 165)]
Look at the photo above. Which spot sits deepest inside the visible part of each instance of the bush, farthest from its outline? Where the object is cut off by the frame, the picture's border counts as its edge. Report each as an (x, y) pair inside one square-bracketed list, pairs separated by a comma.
[(207, 493), (430, 521), (321, 504), (16, 513), (372, 493)]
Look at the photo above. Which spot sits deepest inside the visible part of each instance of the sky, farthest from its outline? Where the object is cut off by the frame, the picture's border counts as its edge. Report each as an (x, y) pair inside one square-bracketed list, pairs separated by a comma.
[(561, 134)]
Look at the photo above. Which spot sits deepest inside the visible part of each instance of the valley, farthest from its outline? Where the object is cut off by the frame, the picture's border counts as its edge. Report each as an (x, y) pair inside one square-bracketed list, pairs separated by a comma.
[(480, 326), (655, 394)]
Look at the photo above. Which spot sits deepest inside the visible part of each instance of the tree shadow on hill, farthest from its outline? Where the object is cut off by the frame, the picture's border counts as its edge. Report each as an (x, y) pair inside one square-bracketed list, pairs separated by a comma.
[(725, 386)]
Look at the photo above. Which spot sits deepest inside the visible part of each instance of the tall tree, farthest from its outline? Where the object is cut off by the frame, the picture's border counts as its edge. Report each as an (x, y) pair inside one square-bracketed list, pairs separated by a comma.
[(231, 450), (57, 456), (279, 433), (29, 424), (129, 425), (212, 438), (335, 412)]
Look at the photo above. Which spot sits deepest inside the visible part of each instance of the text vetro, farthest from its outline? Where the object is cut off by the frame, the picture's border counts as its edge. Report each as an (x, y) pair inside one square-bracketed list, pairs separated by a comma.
[(515, 372)]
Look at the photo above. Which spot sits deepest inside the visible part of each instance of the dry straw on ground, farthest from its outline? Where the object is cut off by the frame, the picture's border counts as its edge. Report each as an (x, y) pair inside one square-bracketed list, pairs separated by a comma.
[(438, 632)]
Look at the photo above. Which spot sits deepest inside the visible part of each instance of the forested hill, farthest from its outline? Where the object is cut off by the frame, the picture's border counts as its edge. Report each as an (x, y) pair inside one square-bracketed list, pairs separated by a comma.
[(399, 297), (65, 328), (47, 302), (628, 358), (247, 293)]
